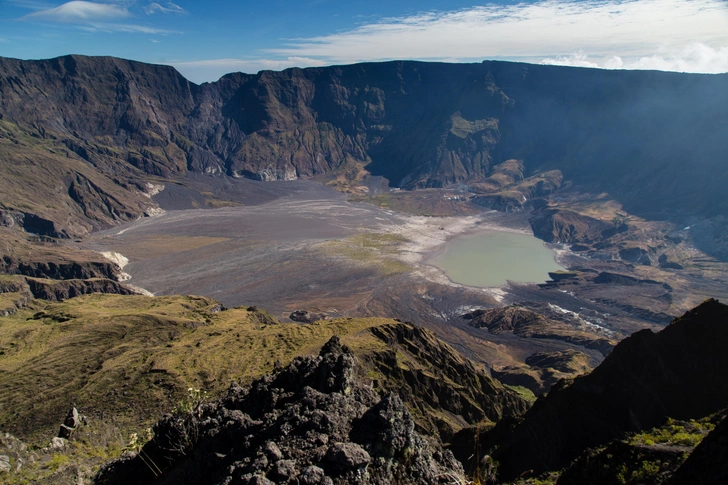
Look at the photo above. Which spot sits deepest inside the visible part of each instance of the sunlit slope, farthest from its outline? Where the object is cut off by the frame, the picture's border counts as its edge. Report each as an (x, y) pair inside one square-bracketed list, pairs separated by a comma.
[(128, 359)]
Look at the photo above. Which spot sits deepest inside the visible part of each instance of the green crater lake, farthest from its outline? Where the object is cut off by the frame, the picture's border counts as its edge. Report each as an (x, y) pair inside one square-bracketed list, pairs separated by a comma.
[(490, 258)]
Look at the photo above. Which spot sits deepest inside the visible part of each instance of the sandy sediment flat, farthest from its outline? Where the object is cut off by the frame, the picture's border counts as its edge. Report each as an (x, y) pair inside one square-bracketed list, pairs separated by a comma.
[(268, 254)]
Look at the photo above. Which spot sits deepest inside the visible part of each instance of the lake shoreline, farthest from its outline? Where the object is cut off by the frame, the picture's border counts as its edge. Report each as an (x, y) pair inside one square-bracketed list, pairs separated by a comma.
[(499, 249)]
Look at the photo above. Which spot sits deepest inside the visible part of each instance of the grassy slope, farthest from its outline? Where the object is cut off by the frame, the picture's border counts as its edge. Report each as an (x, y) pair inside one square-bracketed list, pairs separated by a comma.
[(130, 358)]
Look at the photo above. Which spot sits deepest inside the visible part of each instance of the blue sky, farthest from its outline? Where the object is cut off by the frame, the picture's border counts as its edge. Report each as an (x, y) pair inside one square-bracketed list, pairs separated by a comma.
[(204, 40)]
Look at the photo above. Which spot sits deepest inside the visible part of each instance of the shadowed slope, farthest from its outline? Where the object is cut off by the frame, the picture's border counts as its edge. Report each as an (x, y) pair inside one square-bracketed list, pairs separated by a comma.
[(680, 372)]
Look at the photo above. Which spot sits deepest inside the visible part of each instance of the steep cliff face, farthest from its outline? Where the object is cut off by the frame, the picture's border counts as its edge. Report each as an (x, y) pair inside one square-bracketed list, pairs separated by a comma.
[(100, 127), (81, 136)]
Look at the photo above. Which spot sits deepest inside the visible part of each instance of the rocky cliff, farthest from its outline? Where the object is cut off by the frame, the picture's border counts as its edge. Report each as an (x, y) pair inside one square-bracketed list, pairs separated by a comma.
[(680, 372), (101, 128)]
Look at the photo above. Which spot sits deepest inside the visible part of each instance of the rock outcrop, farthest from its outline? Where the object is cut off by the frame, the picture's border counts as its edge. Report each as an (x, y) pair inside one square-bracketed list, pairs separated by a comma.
[(567, 226), (315, 422), (58, 270), (305, 316), (526, 323), (71, 423)]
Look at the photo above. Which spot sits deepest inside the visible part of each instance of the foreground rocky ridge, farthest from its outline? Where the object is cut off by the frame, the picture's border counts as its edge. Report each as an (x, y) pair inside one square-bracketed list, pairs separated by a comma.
[(312, 423), (677, 373), (352, 419), (125, 360)]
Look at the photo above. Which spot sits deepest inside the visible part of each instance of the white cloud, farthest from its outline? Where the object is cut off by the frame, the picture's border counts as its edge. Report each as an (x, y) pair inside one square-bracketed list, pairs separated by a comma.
[(96, 17), (168, 7), (659, 33), (696, 57), (213, 69), (78, 11), (127, 28)]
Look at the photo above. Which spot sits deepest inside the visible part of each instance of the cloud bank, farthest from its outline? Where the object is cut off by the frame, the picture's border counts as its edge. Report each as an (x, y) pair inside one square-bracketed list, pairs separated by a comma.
[(655, 34), (696, 57)]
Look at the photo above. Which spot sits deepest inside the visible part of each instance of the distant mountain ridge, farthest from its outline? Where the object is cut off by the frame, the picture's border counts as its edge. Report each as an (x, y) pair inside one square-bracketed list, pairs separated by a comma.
[(100, 127)]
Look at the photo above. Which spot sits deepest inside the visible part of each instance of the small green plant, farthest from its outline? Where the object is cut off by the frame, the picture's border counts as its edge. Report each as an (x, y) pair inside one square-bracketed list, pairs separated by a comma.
[(622, 473), (136, 442), (57, 461), (674, 432), (486, 468), (195, 397), (646, 472)]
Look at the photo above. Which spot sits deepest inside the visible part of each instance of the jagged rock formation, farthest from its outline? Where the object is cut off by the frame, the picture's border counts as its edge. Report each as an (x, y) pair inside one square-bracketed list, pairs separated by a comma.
[(100, 127), (526, 323), (446, 390), (314, 422), (567, 226), (680, 372)]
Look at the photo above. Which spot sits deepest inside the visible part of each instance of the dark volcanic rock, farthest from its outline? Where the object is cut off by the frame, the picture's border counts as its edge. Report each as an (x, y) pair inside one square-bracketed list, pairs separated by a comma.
[(313, 423), (566, 226), (53, 290), (304, 316), (680, 372)]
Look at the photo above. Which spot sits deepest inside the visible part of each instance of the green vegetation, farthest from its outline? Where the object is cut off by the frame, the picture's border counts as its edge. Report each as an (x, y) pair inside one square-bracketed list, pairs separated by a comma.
[(525, 393), (376, 249), (677, 433), (546, 479), (133, 357), (647, 472)]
